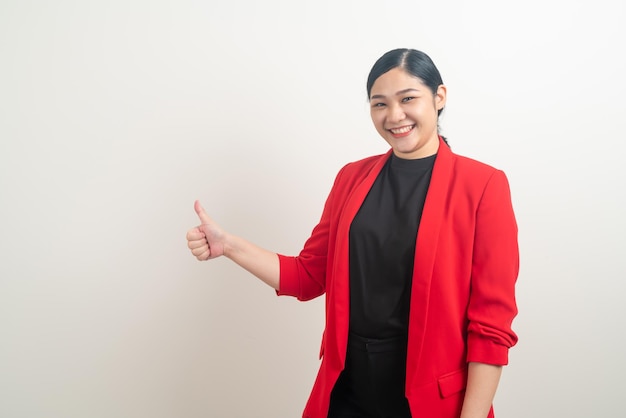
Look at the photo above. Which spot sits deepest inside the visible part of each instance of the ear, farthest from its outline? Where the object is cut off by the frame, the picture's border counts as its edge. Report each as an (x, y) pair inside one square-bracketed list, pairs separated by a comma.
[(440, 97)]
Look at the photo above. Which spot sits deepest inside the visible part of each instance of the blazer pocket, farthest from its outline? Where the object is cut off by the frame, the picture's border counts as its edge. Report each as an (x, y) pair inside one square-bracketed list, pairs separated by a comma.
[(452, 383)]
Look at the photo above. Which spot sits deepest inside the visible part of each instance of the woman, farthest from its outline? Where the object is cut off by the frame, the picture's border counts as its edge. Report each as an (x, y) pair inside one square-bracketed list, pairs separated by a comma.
[(416, 252)]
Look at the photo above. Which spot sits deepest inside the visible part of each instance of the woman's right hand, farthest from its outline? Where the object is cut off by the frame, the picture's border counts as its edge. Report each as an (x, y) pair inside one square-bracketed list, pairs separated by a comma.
[(206, 241)]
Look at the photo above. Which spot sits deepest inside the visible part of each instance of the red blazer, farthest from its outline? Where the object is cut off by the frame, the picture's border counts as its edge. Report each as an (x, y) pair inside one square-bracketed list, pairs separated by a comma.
[(463, 291)]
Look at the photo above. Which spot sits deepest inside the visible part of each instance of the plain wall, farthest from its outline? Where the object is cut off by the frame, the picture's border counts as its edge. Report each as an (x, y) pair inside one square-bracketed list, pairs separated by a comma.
[(116, 115)]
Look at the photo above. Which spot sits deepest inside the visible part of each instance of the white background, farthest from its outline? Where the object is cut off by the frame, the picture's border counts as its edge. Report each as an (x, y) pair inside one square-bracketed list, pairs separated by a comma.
[(116, 115)]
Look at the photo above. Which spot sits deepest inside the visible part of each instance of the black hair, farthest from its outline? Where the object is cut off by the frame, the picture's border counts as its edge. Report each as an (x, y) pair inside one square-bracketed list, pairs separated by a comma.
[(414, 62)]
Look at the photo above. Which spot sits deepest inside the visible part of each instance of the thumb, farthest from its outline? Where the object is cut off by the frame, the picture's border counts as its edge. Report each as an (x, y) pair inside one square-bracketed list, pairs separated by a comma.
[(204, 218)]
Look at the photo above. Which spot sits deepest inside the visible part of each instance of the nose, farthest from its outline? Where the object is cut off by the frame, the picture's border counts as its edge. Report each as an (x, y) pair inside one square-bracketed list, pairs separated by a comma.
[(396, 114)]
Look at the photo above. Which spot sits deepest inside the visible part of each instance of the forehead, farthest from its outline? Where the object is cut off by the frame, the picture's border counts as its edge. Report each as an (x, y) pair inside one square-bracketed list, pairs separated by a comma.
[(395, 80)]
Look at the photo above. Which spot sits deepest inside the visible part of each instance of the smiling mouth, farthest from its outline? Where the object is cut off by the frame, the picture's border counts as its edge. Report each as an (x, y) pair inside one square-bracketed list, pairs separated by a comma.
[(402, 131)]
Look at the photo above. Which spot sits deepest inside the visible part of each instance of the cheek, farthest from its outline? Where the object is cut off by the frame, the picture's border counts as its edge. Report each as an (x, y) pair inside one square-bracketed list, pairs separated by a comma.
[(378, 120)]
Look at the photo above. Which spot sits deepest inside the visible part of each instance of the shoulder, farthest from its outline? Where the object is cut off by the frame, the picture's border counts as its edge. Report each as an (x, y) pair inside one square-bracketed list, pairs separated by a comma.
[(467, 174), (470, 164), (356, 172), (362, 167), (467, 166), (365, 162), (479, 179)]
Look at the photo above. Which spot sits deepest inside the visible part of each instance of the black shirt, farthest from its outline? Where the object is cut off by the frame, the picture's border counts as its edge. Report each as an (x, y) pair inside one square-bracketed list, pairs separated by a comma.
[(382, 248)]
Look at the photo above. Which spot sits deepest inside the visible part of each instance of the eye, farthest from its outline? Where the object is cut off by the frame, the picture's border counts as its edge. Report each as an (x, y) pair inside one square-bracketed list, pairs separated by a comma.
[(379, 104), (407, 99)]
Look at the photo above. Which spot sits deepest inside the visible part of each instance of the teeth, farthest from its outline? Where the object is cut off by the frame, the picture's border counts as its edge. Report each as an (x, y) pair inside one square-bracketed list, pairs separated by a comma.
[(402, 130)]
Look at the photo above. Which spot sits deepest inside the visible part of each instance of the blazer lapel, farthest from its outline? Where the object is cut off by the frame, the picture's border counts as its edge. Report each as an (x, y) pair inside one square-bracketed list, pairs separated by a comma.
[(425, 250), (341, 271)]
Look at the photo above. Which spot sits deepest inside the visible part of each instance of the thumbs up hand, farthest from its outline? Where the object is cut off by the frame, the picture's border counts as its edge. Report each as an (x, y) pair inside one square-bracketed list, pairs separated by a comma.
[(208, 240), (205, 241)]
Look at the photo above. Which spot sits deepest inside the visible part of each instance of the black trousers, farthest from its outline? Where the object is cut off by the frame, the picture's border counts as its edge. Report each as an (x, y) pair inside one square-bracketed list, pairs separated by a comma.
[(372, 383)]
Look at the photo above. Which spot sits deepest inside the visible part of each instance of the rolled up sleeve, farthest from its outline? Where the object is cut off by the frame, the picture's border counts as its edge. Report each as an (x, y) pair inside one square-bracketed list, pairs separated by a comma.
[(304, 276), (495, 266)]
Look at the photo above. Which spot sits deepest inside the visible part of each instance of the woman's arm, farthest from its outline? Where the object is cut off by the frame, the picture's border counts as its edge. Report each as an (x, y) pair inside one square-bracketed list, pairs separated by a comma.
[(208, 241), (492, 304), (482, 382)]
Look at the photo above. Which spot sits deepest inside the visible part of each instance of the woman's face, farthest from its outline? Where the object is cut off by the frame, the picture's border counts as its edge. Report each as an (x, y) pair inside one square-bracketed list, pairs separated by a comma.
[(404, 112)]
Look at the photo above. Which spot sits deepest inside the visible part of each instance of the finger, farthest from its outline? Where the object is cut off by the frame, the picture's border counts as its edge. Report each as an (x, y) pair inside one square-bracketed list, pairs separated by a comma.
[(195, 234), (204, 218), (197, 244), (204, 256), (198, 251)]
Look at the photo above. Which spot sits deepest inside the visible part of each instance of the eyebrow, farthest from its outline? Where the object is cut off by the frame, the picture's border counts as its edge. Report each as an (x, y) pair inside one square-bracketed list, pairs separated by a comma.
[(401, 92)]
